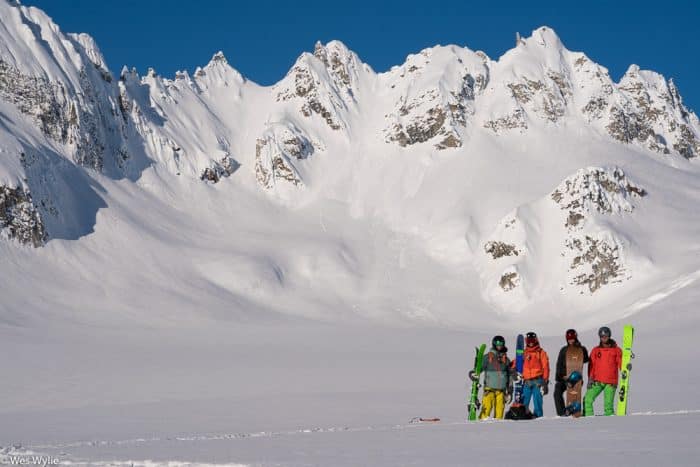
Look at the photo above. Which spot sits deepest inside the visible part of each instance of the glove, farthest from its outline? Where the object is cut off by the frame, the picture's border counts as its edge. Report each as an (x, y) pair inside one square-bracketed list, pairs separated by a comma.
[(509, 397), (629, 366), (473, 376), (518, 378), (590, 384), (545, 388)]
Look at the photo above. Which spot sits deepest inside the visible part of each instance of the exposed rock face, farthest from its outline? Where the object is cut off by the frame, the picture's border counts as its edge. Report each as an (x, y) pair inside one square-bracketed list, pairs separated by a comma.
[(509, 280), (546, 98), (587, 249), (434, 105), (642, 109), (220, 169), (500, 249), (415, 125), (595, 256), (596, 262), (40, 99), (306, 87), (84, 122), (275, 153), (516, 120), (324, 83), (606, 191), (338, 62), (647, 110), (19, 218)]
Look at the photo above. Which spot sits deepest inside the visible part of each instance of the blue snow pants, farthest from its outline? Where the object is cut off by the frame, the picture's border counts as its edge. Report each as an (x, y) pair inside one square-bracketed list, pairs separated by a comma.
[(531, 389)]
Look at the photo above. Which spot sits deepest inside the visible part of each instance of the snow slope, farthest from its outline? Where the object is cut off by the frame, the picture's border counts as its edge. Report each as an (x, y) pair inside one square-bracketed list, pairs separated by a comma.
[(336, 190)]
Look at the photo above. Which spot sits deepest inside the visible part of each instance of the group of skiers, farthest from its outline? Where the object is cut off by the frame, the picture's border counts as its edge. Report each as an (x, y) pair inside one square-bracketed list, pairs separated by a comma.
[(604, 363)]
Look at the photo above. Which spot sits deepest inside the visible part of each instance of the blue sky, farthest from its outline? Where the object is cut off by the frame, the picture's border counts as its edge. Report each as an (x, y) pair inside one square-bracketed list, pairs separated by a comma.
[(263, 39)]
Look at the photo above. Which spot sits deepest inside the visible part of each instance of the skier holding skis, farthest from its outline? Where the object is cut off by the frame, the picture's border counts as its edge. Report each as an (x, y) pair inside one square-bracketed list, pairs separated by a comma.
[(535, 374), (603, 368), (497, 370), (577, 355)]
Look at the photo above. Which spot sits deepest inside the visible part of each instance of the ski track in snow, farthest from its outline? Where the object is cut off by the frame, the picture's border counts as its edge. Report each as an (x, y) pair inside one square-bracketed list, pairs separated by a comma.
[(672, 288), (304, 431)]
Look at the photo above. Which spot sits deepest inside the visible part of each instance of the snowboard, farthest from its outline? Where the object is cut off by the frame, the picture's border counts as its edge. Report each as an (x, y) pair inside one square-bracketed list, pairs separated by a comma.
[(474, 397), (519, 363), (574, 362), (627, 356), (517, 410)]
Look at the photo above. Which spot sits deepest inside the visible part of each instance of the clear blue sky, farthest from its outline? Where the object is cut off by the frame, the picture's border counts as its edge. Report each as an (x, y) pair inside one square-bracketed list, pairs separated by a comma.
[(263, 38)]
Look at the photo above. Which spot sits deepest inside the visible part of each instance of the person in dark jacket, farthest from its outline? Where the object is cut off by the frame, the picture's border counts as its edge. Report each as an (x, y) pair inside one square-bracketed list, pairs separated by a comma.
[(577, 356), (603, 372)]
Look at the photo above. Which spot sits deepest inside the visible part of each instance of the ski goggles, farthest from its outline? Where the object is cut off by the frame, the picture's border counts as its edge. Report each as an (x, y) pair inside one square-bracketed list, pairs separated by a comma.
[(499, 343)]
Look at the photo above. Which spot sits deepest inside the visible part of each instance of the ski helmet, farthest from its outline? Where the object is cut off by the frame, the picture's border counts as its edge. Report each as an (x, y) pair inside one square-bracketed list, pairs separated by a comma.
[(604, 331), (571, 334), (498, 341), (531, 338), (575, 377), (575, 407)]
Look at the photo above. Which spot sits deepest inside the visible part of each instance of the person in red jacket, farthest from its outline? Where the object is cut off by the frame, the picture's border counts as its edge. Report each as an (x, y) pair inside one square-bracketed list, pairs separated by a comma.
[(603, 369), (535, 373)]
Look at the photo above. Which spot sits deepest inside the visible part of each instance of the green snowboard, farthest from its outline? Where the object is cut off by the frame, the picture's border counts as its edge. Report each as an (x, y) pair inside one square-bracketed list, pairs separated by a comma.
[(474, 398), (627, 356)]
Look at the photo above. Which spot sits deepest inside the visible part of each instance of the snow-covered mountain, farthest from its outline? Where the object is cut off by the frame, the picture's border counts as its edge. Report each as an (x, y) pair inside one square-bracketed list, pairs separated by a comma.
[(532, 182)]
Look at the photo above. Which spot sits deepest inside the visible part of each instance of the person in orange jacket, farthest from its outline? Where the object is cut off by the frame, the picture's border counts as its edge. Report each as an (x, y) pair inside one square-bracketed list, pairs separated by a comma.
[(603, 369), (535, 373)]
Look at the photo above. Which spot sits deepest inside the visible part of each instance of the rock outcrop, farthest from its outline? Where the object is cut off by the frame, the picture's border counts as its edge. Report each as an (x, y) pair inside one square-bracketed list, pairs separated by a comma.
[(19, 218)]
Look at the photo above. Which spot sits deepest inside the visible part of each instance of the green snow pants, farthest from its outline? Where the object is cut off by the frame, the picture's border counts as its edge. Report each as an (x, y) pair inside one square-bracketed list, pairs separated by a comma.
[(594, 392)]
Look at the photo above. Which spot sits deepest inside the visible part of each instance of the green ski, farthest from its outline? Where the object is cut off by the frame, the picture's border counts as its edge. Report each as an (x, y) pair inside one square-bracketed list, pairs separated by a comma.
[(627, 356), (474, 375)]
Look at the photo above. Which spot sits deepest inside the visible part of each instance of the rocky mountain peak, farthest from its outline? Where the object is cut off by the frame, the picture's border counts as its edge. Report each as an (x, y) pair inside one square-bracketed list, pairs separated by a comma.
[(218, 72), (435, 92), (218, 57), (545, 37), (342, 64), (324, 83)]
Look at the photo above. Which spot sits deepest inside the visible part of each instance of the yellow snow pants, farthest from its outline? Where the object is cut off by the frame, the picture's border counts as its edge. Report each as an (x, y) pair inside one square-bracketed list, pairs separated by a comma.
[(493, 399)]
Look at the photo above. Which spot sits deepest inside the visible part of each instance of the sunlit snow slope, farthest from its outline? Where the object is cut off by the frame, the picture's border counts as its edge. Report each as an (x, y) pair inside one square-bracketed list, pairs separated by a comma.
[(452, 190)]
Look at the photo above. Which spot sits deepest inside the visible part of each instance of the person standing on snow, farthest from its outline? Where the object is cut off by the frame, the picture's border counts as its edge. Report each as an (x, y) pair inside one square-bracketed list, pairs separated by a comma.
[(603, 369), (535, 373), (497, 369), (577, 355)]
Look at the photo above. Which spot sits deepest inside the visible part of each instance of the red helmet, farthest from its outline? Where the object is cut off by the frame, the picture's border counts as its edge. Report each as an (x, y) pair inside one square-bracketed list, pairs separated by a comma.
[(531, 339), (571, 335)]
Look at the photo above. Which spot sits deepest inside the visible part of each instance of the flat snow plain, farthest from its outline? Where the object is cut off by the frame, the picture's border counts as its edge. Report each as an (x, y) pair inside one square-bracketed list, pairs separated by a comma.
[(299, 393)]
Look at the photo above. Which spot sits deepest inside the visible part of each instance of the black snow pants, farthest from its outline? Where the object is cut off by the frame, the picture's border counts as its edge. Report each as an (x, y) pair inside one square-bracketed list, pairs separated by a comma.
[(559, 390)]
